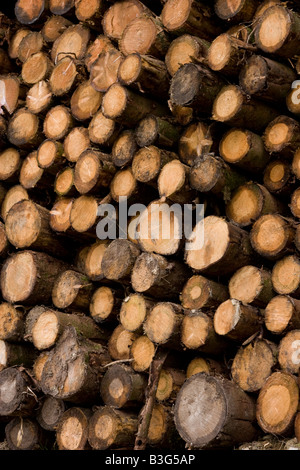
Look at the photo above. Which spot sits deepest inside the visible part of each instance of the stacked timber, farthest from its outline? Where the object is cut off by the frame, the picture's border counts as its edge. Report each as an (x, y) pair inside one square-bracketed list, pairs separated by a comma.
[(135, 333)]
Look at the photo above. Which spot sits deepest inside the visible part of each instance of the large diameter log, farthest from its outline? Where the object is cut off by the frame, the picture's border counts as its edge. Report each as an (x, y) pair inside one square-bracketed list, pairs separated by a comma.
[(266, 79), (286, 276), (233, 107), (74, 367), (272, 236), (284, 25), (251, 285), (282, 136), (27, 226), (118, 260), (122, 387), (184, 50), (223, 249), (36, 273), (229, 413), (282, 314), (192, 17), (154, 275), (72, 429), (277, 404), (199, 293), (253, 364), (110, 428), (244, 149), (195, 86), (17, 397)]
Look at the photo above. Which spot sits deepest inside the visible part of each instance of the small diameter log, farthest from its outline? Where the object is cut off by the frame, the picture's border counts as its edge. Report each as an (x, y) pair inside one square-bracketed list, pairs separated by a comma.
[(27, 226), (75, 143), (64, 182), (146, 74), (58, 122), (31, 174), (297, 238), (251, 201), (110, 428), (163, 324), (120, 343), (237, 321), (286, 276), (54, 27), (142, 352), (118, 260), (251, 285), (279, 178), (148, 162), (124, 148), (11, 322), (23, 129), (226, 55), (295, 203), (212, 174), (102, 130), (197, 333), (272, 236), (61, 7), (83, 215), (244, 149), (74, 368), (173, 183), (145, 35), (17, 393), (266, 79), (282, 136), (50, 156), (195, 86), (240, 11), (169, 384), (158, 277), (202, 293), (208, 365), (195, 141), (284, 25), (233, 107), (4, 243), (162, 432), (10, 163), (282, 314), (38, 366), (119, 15), (93, 260), (72, 291), (191, 17), (229, 413), (93, 173), (288, 352), (30, 44), (39, 98), (253, 364), (263, 7), (277, 404), (3, 132), (72, 429), (292, 99), (10, 91), (122, 387), (15, 41), (36, 68), (29, 13), (95, 49), (90, 12), (5, 62), (158, 230), (85, 101), (128, 107), (224, 247), (12, 355), (23, 434), (133, 312), (50, 413), (104, 305), (184, 50), (36, 274), (63, 75), (153, 130), (73, 42), (104, 71), (296, 164)]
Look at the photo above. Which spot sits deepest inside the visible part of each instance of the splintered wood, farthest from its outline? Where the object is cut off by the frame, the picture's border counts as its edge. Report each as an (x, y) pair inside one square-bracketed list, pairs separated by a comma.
[(128, 130)]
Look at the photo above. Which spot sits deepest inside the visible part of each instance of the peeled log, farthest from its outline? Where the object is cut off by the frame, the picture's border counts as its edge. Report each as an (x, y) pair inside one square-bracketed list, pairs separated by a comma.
[(229, 413)]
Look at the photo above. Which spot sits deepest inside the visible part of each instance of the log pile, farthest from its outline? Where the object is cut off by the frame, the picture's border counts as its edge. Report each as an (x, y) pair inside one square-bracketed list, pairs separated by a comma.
[(148, 340)]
